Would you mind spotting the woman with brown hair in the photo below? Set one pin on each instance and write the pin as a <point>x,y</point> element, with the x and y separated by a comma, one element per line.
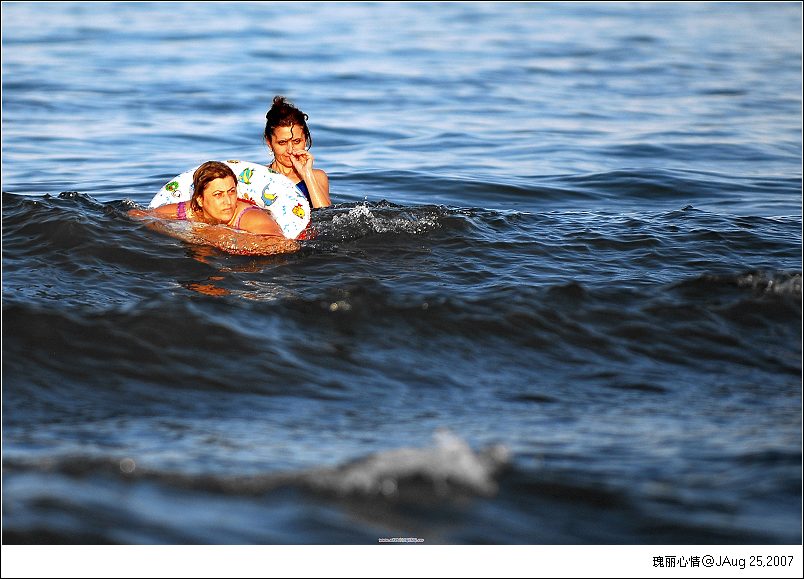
<point>215,202</point>
<point>287,135</point>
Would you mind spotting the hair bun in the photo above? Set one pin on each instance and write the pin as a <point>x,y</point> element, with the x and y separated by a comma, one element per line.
<point>284,113</point>
<point>279,102</point>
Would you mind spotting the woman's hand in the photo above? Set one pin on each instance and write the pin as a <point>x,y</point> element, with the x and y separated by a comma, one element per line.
<point>302,161</point>
<point>316,180</point>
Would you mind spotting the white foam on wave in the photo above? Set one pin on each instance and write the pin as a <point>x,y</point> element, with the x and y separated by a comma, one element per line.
<point>772,284</point>
<point>400,220</point>
<point>449,465</point>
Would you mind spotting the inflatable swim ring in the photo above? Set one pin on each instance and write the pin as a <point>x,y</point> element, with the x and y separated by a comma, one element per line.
<point>256,183</point>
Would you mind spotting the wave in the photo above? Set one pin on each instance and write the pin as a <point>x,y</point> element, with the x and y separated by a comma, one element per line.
<point>764,285</point>
<point>76,222</point>
<point>161,349</point>
<point>449,468</point>
<point>443,493</point>
<point>84,280</point>
<point>590,191</point>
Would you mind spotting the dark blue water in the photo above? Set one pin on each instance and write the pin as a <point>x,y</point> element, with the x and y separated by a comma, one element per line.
<point>557,300</point>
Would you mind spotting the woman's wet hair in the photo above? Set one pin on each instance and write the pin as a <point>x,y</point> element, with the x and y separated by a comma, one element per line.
<point>284,114</point>
<point>205,174</point>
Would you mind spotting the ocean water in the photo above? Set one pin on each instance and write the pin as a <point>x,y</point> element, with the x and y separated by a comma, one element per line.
<point>557,300</point>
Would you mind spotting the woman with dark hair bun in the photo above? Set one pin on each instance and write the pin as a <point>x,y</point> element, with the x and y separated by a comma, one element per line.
<point>287,135</point>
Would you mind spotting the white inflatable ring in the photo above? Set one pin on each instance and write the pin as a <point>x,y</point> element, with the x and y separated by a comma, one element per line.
<point>256,183</point>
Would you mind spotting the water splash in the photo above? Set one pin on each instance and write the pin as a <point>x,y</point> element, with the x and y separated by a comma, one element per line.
<point>448,466</point>
<point>380,218</point>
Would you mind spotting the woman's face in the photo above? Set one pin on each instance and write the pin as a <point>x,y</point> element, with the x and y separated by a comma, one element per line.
<point>219,199</point>
<point>285,140</point>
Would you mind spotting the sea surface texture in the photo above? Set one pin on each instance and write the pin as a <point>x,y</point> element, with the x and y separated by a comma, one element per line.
<point>557,299</point>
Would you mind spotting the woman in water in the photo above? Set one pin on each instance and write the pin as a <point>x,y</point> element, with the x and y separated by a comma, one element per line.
<point>215,202</point>
<point>287,135</point>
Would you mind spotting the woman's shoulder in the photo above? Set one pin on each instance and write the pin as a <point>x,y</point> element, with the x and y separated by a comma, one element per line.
<point>321,176</point>
<point>258,221</point>
<point>244,207</point>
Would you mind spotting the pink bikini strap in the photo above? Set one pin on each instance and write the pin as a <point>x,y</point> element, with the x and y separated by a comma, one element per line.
<point>246,210</point>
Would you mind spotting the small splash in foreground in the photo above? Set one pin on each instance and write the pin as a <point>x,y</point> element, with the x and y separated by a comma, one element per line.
<point>450,466</point>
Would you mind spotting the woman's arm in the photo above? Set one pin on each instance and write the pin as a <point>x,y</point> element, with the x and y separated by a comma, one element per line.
<point>319,191</point>
<point>242,242</point>
<point>162,212</point>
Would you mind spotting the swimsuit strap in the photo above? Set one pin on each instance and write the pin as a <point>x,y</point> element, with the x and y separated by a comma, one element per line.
<point>246,210</point>
<point>181,211</point>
